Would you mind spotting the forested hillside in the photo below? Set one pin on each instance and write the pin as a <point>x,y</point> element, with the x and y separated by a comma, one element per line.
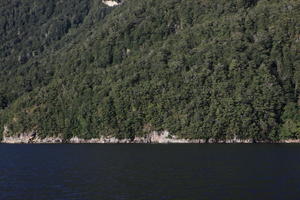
<point>200,69</point>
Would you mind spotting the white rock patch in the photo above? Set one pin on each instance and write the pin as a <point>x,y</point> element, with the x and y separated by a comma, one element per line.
<point>110,3</point>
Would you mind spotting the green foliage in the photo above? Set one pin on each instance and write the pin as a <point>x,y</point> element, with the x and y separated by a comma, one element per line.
<point>291,122</point>
<point>200,69</point>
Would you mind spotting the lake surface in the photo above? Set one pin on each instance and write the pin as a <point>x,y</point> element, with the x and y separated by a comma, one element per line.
<point>154,172</point>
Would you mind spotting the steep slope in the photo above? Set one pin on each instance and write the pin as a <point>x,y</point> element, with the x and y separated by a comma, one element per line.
<point>199,69</point>
<point>31,32</point>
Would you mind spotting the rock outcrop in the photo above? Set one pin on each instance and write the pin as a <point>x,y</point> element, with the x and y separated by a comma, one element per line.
<point>111,3</point>
<point>27,138</point>
<point>154,137</point>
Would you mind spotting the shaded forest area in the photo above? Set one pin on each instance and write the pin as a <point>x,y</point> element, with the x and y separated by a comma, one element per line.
<point>199,69</point>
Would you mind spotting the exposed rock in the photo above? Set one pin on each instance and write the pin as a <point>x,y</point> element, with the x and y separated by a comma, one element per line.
<point>165,137</point>
<point>111,3</point>
<point>77,140</point>
<point>101,140</point>
<point>290,141</point>
<point>27,138</point>
<point>236,140</point>
<point>154,137</point>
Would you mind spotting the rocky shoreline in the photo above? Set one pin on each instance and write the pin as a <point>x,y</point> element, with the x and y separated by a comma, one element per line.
<point>155,137</point>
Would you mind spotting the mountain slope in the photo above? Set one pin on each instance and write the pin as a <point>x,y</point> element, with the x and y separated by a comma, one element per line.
<point>199,69</point>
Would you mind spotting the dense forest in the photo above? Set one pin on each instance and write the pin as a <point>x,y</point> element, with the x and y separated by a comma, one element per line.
<point>200,69</point>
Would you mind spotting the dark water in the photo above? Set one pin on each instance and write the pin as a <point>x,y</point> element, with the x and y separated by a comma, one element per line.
<point>154,172</point>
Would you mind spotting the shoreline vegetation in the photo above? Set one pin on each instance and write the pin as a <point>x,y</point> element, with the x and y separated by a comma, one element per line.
<point>163,137</point>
